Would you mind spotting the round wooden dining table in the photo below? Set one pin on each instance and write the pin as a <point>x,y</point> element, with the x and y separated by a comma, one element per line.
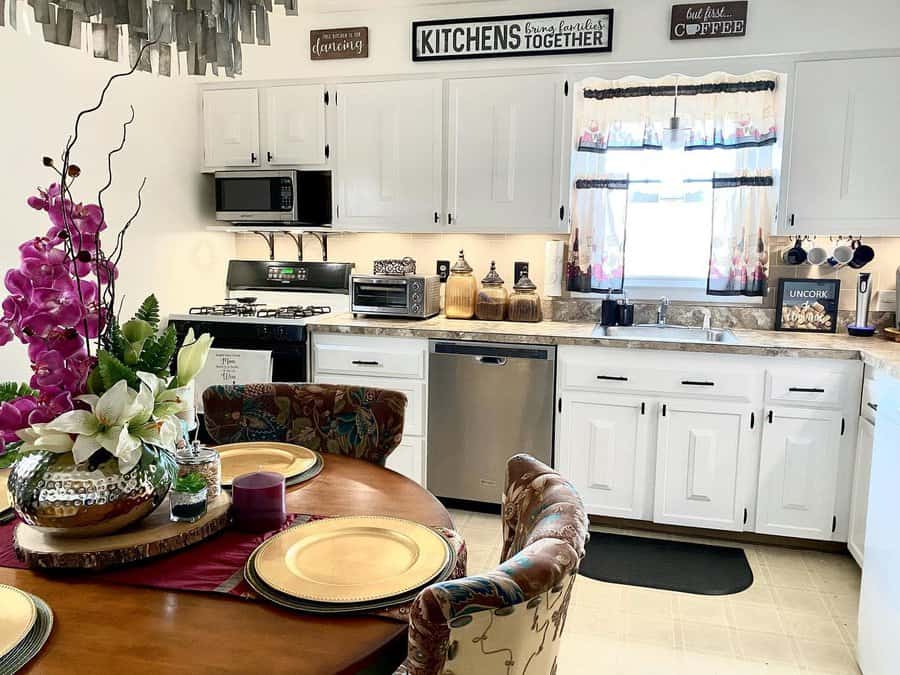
<point>105,628</point>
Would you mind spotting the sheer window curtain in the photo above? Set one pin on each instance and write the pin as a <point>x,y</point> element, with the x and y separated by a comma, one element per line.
<point>722,111</point>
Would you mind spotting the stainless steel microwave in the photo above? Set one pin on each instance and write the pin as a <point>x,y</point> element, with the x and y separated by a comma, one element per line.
<point>411,296</point>
<point>297,197</point>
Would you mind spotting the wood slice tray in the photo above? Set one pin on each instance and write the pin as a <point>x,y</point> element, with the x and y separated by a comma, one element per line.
<point>155,535</point>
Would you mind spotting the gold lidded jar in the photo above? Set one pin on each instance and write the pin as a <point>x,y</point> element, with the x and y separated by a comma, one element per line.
<point>525,303</point>
<point>204,461</point>
<point>490,304</point>
<point>459,297</point>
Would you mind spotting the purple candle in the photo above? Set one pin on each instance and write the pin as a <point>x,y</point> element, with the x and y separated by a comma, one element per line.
<point>257,501</point>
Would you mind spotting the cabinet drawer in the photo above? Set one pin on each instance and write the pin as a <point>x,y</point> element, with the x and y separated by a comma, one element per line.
<point>370,357</point>
<point>682,381</point>
<point>414,421</point>
<point>806,388</point>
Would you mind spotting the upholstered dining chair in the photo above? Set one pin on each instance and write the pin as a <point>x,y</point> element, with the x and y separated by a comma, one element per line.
<point>361,422</point>
<point>508,621</point>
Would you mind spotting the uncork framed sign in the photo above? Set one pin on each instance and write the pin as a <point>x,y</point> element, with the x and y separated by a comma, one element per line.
<point>807,305</point>
<point>513,35</point>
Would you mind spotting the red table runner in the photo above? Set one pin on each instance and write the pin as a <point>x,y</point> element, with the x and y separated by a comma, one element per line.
<point>212,566</point>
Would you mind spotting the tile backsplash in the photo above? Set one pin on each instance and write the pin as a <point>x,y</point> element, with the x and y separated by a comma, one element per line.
<point>480,249</point>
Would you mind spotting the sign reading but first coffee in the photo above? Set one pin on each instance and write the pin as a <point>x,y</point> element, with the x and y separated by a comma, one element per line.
<point>513,35</point>
<point>700,20</point>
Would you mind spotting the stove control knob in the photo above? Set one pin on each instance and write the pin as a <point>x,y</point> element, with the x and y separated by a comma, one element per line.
<point>263,332</point>
<point>416,309</point>
<point>417,297</point>
<point>280,333</point>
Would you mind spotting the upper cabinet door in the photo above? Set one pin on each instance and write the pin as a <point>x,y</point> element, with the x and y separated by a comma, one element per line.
<point>504,154</point>
<point>388,155</point>
<point>798,472</point>
<point>698,469</point>
<point>294,125</point>
<point>843,175</point>
<point>230,128</point>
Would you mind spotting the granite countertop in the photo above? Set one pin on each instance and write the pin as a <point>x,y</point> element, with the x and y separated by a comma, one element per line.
<point>875,351</point>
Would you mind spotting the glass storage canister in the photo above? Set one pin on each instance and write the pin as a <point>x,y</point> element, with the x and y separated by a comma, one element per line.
<point>204,461</point>
<point>490,304</point>
<point>459,297</point>
<point>525,303</point>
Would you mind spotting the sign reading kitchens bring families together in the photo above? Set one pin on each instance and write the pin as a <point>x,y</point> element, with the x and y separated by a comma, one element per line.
<point>513,35</point>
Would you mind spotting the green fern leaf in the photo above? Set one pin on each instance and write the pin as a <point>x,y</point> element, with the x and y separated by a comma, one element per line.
<point>112,370</point>
<point>149,311</point>
<point>158,352</point>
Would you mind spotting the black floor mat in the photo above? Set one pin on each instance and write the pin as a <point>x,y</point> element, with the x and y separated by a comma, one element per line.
<point>669,565</point>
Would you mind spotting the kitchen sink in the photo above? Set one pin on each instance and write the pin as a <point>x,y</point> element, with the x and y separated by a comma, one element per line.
<point>665,332</point>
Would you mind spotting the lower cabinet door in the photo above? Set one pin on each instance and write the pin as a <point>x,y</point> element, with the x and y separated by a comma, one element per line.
<point>604,450</point>
<point>798,473</point>
<point>409,459</point>
<point>698,464</point>
<point>859,505</point>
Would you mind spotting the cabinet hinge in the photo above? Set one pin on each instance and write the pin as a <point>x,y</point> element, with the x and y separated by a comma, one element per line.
<point>752,423</point>
<point>843,425</point>
<point>771,415</point>
<point>833,523</point>
<point>745,516</point>
<point>664,408</point>
<point>326,97</point>
<point>566,88</point>
<point>643,408</point>
<point>559,405</point>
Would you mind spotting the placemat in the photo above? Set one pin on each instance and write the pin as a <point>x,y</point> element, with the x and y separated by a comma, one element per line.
<point>213,566</point>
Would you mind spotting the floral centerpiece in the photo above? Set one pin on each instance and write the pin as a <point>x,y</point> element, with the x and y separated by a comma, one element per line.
<point>88,437</point>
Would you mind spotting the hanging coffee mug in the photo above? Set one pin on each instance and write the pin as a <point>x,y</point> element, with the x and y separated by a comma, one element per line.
<point>840,254</point>
<point>863,254</point>
<point>817,255</point>
<point>795,255</point>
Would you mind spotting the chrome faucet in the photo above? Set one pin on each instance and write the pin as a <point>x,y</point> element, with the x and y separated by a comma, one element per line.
<point>661,310</point>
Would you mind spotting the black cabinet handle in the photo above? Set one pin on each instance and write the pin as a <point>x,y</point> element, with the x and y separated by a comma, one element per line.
<point>612,378</point>
<point>562,212</point>
<point>269,157</point>
<point>449,218</point>
<point>436,217</point>
<point>327,151</point>
<point>365,363</point>
<point>807,390</point>
<point>873,406</point>
<point>771,415</point>
<point>253,158</point>
<point>695,383</point>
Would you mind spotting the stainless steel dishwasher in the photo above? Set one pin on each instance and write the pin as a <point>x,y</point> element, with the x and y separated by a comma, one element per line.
<point>486,402</point>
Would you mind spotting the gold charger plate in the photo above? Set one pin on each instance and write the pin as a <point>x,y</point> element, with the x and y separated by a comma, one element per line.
<point>351,558</point>
<point>17,616</point>
<point>284,458</point>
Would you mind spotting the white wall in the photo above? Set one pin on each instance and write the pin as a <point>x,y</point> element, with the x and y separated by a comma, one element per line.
<point>641,33</point>
<point>167,250</point>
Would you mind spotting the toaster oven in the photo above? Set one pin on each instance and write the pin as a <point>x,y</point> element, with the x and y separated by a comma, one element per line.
<point>410,296</point>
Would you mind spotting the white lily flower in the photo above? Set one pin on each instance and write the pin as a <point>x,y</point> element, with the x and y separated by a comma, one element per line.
<point>192,357</point>
<point>38,437</point>
<point>166,402</point>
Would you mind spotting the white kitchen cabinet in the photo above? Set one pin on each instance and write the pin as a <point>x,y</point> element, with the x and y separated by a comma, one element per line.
<point>698,464</point>
<point>388,156</point>
<point>604,450</point>
<point>859,504</point>
<point>230,128</point>
<point>841,177</point>
<point>504,154</point>
<point>408,459</point>
<point>798,472</point>
<point>293,125</point>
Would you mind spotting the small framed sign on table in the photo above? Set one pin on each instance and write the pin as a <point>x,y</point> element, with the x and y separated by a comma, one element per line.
<point>513,35</point>
<point>807,305</point>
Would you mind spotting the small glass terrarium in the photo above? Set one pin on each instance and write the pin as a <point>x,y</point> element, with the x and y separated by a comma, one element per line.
<point>187,498</point>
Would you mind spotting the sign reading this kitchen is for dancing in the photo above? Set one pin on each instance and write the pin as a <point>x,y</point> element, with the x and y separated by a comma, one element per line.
<point>513,35</point>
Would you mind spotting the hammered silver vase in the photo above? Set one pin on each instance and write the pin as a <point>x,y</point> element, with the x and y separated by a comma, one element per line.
<point>52,493</point>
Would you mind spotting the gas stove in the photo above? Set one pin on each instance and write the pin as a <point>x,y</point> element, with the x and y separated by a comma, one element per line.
<point>253,310</point>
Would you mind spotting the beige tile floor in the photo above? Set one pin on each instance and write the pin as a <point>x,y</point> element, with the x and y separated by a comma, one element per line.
<point>798,617</point>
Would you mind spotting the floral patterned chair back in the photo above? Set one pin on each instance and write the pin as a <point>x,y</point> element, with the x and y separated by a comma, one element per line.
<point>508,621</point>
<point>359,422</point>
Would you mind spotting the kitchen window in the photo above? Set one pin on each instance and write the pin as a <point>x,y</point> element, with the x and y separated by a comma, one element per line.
<point>674,191</point>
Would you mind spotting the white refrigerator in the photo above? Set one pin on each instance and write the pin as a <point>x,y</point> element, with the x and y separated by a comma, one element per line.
<point>879,603</point>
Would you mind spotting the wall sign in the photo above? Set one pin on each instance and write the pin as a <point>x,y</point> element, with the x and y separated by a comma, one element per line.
<point>807,305</point>
<point>513,35</point>
<point>700,20</point>
<point>339,43</point>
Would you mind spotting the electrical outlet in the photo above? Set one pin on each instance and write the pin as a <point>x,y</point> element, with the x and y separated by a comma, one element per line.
<point>520,269</point>
<point>443,270</point>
